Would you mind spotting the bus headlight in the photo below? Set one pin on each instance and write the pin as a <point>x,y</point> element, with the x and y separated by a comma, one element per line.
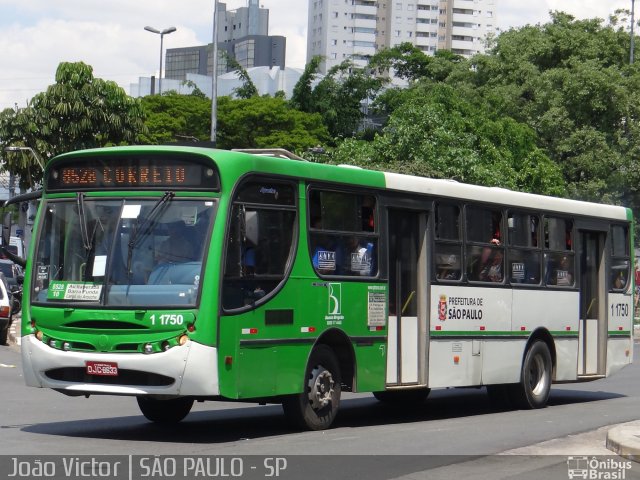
<point>148,348</point>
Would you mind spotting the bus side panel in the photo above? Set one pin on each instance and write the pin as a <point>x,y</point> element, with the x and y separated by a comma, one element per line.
<point>620,328</point>
<point>567,359</point>
<point>371,367</point>
<point>557,312</point>
<point>461,321</point>
<point>619,354</point>
<point>453,363</point>
<point>495,366</point>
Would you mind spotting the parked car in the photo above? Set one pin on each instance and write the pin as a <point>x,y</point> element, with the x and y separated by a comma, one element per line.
<point>5,310</point>
<point>11,272</point>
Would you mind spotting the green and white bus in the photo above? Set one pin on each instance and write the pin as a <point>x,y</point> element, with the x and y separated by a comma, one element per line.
<point>180,274</point>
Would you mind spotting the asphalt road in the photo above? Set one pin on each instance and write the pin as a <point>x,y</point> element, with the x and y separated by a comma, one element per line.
<point>454,426</point>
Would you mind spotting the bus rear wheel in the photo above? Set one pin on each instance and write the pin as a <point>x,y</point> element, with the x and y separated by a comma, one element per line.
<point>165,411</point>
<point>317,406</point>
<point>535,378</point>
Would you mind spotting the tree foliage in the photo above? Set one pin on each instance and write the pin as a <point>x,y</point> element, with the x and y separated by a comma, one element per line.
<point>78,111</point>
<point>265,122</point>
<point>438,133</point>
<point>172,117</point>
<point>340,98</point>
<point>248,88</point>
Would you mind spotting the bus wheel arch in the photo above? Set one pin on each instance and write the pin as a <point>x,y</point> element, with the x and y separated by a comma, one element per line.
<point>316,406</point>
<point>341,345</point>
<point>536,374</point>
<point>542,334</point>
<point>330,370</point>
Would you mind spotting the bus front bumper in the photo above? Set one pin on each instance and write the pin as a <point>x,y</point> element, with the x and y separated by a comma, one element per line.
<point>190,369</point>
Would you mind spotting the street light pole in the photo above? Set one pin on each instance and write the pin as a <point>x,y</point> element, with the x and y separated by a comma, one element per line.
<point>162,33</point>
<point>214,76</point>
<point>27,149</point>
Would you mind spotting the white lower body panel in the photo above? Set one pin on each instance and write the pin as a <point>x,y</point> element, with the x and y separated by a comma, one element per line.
<point>193,366</point>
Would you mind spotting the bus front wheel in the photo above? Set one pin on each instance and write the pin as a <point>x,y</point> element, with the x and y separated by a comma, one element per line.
<point>165,411</point>
<point>317,406</point>
<point>535,378</point>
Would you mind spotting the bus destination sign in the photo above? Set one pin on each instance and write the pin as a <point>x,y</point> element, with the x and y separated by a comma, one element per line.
<point>143,172</point>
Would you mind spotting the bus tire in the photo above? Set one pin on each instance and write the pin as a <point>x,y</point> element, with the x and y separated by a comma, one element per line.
<point>317,406</point>
<point>414,396</point>
<point>165,411</point>
<point>535,378</point>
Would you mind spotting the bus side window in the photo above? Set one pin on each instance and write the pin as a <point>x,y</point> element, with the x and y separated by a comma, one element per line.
<point>342,233</point>
<point>524,248</point>
<point>485,249</point>
<point>620,264</point>
<point>448,245</point>
<point>559,256</point>
<point>259,242</point>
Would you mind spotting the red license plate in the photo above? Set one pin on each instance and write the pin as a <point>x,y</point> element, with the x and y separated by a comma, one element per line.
<point>105,369</point>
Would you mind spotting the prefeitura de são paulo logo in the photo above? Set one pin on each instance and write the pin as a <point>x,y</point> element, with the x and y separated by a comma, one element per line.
<point>442,308</point>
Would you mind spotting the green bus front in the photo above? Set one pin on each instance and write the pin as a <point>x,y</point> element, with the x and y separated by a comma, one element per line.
<point>174,274</point>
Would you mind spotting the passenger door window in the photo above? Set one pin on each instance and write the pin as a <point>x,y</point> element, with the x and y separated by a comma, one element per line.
<point>259,242</point>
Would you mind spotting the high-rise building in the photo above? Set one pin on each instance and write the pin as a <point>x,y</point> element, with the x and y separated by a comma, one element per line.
<point>243,34</point>
<point>242,22</point>
<point>354,30</point>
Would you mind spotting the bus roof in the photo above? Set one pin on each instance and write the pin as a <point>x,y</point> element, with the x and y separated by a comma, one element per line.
<point>241,162</point>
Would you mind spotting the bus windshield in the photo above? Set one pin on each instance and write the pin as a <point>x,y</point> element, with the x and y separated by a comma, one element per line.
<point>122,252</point>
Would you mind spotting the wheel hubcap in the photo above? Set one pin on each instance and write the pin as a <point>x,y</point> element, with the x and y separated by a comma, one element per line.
<point>321,386</point>
<point>538,376</point>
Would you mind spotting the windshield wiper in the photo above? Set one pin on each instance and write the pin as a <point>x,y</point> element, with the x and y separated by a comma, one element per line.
<point>84,228</point>
<point>145,226</point>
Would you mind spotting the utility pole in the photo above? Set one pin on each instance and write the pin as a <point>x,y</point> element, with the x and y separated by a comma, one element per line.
<point>214,75</point>
<point>633,21</point>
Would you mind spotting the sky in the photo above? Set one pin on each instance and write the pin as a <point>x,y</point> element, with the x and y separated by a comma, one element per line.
<point>109,35</point>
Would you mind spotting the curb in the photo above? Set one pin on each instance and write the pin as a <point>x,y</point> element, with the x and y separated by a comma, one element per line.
<point>624,440</point>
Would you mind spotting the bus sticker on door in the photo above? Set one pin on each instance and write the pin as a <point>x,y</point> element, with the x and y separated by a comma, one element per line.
<point>376,306</point>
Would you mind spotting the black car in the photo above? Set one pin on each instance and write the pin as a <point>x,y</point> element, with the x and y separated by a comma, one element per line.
<point>11,271</point>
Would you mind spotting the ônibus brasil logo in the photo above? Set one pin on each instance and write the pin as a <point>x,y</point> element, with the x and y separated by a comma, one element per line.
<point>597,468</point>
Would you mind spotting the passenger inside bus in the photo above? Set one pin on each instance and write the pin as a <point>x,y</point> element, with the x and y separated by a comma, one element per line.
<point>492,268</point>
<point>177,247</point>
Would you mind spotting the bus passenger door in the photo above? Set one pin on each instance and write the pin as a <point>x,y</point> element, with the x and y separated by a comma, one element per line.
<point>406,356</point>
<point>592,327</point>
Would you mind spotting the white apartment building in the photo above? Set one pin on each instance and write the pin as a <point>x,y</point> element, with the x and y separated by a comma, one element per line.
<point>356,29</point>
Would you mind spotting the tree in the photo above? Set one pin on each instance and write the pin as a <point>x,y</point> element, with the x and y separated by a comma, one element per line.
<point>437,132</point>
<point>340,98</point>
<point>410,63</point>
<point>78,111</point>
<point>302,96</point>
<point>248,88</point>
<point>570,81</point>
<point>265,122</point>
<point>172,117</point>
